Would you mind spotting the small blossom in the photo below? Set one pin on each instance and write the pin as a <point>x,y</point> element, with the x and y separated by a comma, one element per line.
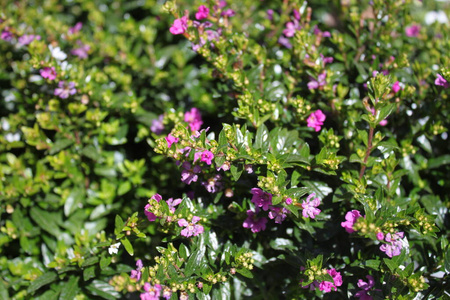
<point>157,125</point>
<point>76,28</point>
<point>179,26</point>
<point>213,184</point>
<point>326,286</point>
<point>253,223</point>
<point>394,244</point>
<point>291,28</point>
<point>396,87</point>
<point>225,166</point>
<point>207,156</point>
<point>27,39</point>
<point>350,220</point>
<point>65,89</point>
<point>82,51</point>
<point>278,213</point>
<point>248,168</point>
<point>288,201</point>
<point>114,248</point>
<point>412,31</point>
<point>171,140</point>
<point>284,42</point>
<point>270,14</point>
<point>194,119</point>
<point>310,209</point>
<point>321,81</point>
<point>365,286</point>
<point>151,292</point>
<point>441,81</point>
<point>57,53</point>
<point>150,215</point>
<point>136,274</point>
<point>172,203</point>
<point>316,119</point>
<point>261,198</point>
<point>167,293</point>
<point>7,35</point>
<point>380,236</point>
<point>228,13</point>
<point>49,73</point>
<point>202,13</point>
<point>189,174</point>
<point>317,31</point>
<point>192,229</point>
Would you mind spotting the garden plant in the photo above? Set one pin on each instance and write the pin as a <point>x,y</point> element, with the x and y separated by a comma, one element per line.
<point>224,149</point>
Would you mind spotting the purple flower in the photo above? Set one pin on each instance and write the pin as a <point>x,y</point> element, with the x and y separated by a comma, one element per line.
<point>350,220</point>
<point>65,89</point>
<point>261,198</point>
<point>157,125</point>
<point>213,184</point>
<point>7,35</point>
<point>207,157</point>
<point>394,244</point>
<point>228,13</point>
<point>326,286</point>
<point>137,273</point>
<point>326,60</point>
<point>315,120</point>
<point>296,14</point>
<point>189,174</point>
<point>192,229</point>
<point>284,42</point>
<point>270,14</point>
<point>288,201</point>
<point>49,73</point>
<point>171,140</point>
<point>365,286</point>
<point>253,223</point>
<point>193,118</point>
<point>179,26</point>
<point>76,28</point>
<point>172,203</point>
<point>412,31</point>
<point>202,13</point>
<point>321,81</point>
<point>82,51</point>
<point>151,292</point>
<point>337,278</point>
<point>291,28</point>
<point>310,209</point>
<point>380,236</point>
<point>396,87</point>
<point>441,81</point>
<point>278,213</point>
<point>317,31</point>
<point>150,215</point>
<point>28,38</point>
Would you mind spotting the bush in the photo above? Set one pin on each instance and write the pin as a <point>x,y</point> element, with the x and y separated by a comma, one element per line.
<point>227,150</point>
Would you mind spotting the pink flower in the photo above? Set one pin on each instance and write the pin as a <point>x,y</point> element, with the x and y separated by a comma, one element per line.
<point>49,73</point>
<point>291,28</point>
<point>207,157</point>
<point>270,14</point>
<point>202,13</point>
<point>317,31</point>
<point>157,125</point>
<point>310,209</point>
<point>7,35</point>
<point>150,215</point>
<point>27,39</point>
<point>82,51</point>
<point>65,89</point>
<point>337,278</point>
<point>412,31</point>
<point>288,201</point>
<point>192,229</point>
<point>261,198</point>
<point>228,13</point>
<point>380,236</point>
<point>193,118</point>
<point>179,26</point>
<point>253,223</point>
<point>151,292</point>
<point>172,203</point>
<point>396,87</point>
<point>321,81</point>
<point>189,174</point>
<point>365,286</point>
<point>441,81</point>
<point>326,286</point>
<point>137,273</point>
<point>350,218</point>
<point>278,213</point>
<point>316,119</point>
<point>76,28</point>
<point>394,244</point>
<point>171,140</point>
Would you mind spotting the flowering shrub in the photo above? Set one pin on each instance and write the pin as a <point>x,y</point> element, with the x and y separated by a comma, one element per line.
<point>224,149</point>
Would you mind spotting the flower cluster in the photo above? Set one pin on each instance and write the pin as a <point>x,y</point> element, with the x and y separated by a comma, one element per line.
<point>327,286</point>
<point>154,292</point>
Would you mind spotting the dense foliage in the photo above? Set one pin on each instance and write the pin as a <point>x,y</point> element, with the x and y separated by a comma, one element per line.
<point>216,150</point>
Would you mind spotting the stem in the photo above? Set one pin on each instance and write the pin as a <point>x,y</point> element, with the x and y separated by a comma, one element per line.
<point>369,149</point>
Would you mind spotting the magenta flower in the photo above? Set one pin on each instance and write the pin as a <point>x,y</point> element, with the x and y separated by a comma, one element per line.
<point>253,223</point>
<point>394,244</point>
<point>317,31</point>
<point>396,87</point>
<point>157,125</point>
<point>310,209</point>
<point>278,213</point>
<point>365,286</point>
<point>228,13</point>
<point>49,73</point>
<point>316,119</point>
<point>7,35</point>
<point>337,278</point>
<point>441,81</point>
<point>82,51</point>
<point>380,236</point>
<point>291,28</point>
<point>270,14</point>
<point>179,26</point>
<point>288,201</point>
<point>172,203</point>
<point>321,81</point>
<point>65,89</point>
<point>192,229</point>
<point>412,31</point>
<point>136,274</point>
<point>151,292</point>
<point>202,13</point>
<point>213,184</point>
<point>189,174</point>
<point>207,157</point>
<point>170,139</point>
<point>76,28</point>
<point>350,220</point>
<point>284,42</point>
<point>150,215</point>
<point>261,198</point>
<point>194,119</point>
<point>326,286</point>
<point>27,39</point>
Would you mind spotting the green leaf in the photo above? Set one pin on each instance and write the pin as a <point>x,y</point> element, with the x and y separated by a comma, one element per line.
<point>72,201</point>
<point>439,161</point>
<point>118,225</point>
<point>70,289</point>
<point>236,171</point>
<point>183,251</point>
<point>90,261</point>
<point>3,291</point>
<point>105,261</point>
<point>91,152</point>
<point>102,289</point>
<point>124,187</point>
<point>60,145</point>
<point>41,281</point>
<point>373,264</point>
<point>194,263</point>
<point>262,138</point>
<point>447,260</point>
<point>126,243</point>
<point>47,221</point>
<point>385,112</point>
<point>89,273</point>
<point>245,272</point>
<point>392,265</point>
